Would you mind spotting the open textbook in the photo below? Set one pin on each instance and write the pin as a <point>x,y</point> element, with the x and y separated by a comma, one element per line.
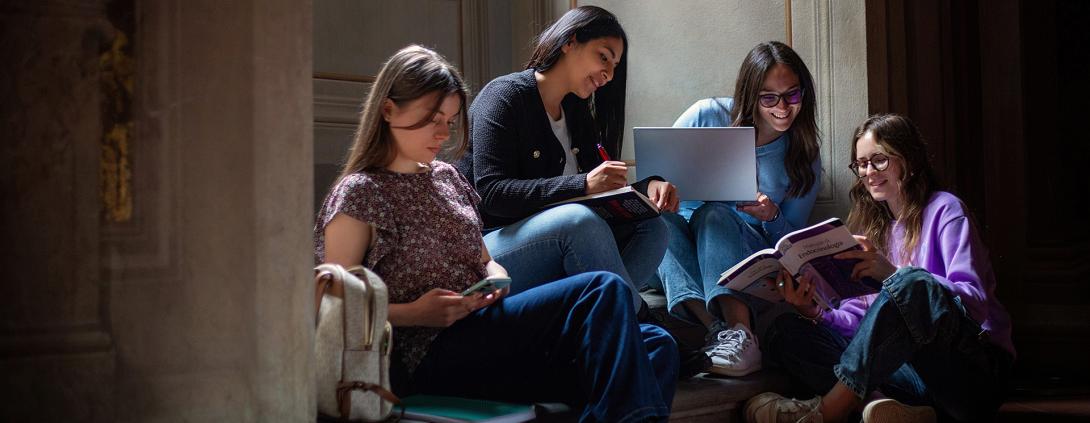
<point>623,204</point>
<point>806,251</point>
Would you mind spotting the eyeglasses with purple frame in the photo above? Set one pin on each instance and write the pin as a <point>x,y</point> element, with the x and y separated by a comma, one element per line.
<point>793,96</point>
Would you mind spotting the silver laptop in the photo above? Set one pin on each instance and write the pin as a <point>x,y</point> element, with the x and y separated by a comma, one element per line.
<point>708,164</point>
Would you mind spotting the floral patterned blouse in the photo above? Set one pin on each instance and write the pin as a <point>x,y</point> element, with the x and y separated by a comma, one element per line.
<point>428,236</point>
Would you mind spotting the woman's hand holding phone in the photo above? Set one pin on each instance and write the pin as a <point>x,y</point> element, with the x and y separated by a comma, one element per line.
<point>488,285</point>
<point>764,209</point>
<point>440,308</point>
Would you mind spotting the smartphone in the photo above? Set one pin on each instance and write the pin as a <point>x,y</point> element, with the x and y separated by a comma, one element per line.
<point>487,285</point>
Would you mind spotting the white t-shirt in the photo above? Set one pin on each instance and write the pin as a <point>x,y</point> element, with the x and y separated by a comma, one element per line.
<point>560,129</point>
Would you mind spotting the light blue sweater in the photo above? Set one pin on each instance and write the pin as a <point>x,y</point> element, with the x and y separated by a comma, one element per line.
<point>772,179</point>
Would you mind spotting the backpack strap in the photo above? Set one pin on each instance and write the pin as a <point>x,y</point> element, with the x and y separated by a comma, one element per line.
<point>359,310</point>
<point>323,282</point>
<point>344,389</point>
<point>371,302</point>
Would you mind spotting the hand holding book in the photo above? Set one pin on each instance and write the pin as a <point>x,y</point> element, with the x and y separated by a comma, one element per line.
<point>623,204</point>
<point>664,195</point>
<point>799,294</point>
<point>871,264</point>
<point>813,253</point>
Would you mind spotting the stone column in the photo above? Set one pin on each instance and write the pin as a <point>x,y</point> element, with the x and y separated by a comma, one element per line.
<point>210,303</point>
<point>198,307</point>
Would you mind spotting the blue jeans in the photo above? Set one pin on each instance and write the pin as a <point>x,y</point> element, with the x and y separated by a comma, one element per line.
<point>574,340</point>
<point>712,240</point>
<point>915,344</point>
<point>572,239</point>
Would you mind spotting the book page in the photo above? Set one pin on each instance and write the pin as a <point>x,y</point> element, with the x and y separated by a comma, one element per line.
<point>824,239</point>
<point>613,192</point>
<point>622,204</point>
<point>755,275</point>
<point>810,251</point>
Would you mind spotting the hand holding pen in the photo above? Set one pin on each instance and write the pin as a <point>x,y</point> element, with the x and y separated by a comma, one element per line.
<point>609,175</point>
<point>602,153</point>
<point>615,175</point>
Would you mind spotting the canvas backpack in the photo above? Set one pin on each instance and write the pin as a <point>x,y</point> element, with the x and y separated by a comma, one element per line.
<point>352,344</point>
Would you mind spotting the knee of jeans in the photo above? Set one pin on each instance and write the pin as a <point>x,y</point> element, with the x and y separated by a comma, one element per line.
<point>718,213</point>
<point>577,219</point>
<point>610,282</point>
<point>673,218</point>
<point>909,281</point>
<point>657,338</point>
<point>654,227</point>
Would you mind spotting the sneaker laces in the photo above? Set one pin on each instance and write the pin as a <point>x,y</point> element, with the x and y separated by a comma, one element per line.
<point>731,343</point>
<point>794,406</point>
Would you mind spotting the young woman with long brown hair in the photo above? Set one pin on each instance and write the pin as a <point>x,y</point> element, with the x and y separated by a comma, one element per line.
<point>935,337</point>
<point>535,137</point>
<point>413,221</point>
<point>774,93</point>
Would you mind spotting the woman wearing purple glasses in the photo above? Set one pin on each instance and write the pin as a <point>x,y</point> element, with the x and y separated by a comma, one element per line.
<point>774,93</point>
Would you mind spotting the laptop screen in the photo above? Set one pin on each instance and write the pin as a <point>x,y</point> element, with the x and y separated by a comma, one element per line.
<point>707,164</point>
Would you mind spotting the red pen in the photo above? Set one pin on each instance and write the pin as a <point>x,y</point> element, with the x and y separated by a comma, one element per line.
<point>602,153</point>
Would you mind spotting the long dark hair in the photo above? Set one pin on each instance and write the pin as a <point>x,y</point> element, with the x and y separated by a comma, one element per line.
<point>604,111</point>
<point>803,132</point>
<point>902,140</point>
<point>411,73</point>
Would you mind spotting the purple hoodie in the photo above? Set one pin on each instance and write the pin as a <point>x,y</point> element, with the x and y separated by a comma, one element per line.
<point>951,250</point>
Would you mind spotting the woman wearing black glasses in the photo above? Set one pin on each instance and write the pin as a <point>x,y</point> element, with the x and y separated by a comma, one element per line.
<point>774,93</point>
<point>935,336</point>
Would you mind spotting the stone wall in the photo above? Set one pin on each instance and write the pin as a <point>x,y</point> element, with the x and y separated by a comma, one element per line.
<point>195,308</point>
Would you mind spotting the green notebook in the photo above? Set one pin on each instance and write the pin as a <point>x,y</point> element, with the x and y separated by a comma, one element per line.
<point>441,409</point>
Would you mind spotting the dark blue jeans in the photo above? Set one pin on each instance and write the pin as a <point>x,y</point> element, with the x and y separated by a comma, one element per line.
<point>915,344</point>
<point>575,340</point>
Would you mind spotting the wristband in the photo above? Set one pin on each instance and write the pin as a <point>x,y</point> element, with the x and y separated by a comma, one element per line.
<point>777,216</point>
<point>817,318</point>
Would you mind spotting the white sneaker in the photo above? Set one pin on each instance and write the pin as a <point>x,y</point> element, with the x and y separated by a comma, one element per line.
<point>771,407</point>
<point>891,411</point>
<point>734,352</point>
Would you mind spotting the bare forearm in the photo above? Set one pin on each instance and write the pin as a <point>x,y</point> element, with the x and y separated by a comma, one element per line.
<point>491,268</point>
<point>403,315</point>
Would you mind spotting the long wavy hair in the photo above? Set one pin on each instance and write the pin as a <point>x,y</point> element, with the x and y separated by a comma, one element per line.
<point>874,219</point>
<point>412,73</point>
<point>603,112</point>
<point>804,132</point>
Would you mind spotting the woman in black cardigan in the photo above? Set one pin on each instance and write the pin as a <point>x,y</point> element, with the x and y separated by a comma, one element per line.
<point>535,137</point>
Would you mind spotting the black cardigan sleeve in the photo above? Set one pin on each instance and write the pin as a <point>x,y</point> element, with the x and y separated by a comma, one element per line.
<point>502,131</point>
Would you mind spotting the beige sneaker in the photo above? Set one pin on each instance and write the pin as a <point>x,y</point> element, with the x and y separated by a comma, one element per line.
<point>891,411</point>
<point>771,407</point>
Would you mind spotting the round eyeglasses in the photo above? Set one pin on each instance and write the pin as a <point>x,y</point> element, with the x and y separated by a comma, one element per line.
<point>771,100</point>
<point>878,162</point>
